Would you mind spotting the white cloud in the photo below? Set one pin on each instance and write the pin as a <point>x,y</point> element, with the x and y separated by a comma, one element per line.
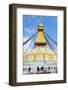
<point>25,38</point>
<point>31,30</point>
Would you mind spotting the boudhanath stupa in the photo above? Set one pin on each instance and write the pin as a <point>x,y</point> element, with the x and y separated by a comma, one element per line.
<point>40,60</point>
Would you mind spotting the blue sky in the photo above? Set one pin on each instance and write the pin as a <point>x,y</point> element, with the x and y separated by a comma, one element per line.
<point>30,24</point>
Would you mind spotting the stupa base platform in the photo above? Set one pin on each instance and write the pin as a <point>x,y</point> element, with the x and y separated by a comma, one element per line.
<point>40,67</point>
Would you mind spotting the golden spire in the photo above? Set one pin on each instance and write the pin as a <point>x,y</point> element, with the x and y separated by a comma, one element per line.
<point>40,40</point>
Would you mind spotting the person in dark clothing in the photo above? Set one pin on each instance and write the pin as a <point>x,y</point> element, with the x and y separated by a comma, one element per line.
<point>42,68</point>
<point>38,69</point>
<point>29,69</point>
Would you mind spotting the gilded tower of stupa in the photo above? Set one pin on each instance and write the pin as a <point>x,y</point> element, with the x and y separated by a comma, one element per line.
<point>40,55</point>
